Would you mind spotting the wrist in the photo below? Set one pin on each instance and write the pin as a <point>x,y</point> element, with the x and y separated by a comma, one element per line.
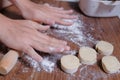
<point>3,26</point>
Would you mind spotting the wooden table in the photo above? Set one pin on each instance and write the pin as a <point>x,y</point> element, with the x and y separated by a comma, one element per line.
<point>107,29</point>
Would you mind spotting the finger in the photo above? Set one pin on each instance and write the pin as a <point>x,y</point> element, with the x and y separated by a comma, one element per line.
<point>66,16</point>
<point>39,36</point>
<point>33,24</point>
<point>52,42</point>
<point>31,52</point>
<point>45,19</point>
<point>57,42</point>
<point>63,11</point>
<point>57,8</point>
<point>66,11</point>
<point>38,26</point>
<point>62,22</point>
<point>46,48</point>
<point>49,21</point>
<point>44,27</point>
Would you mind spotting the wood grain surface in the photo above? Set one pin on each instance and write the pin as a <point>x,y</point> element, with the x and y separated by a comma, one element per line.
<point>107,29</point>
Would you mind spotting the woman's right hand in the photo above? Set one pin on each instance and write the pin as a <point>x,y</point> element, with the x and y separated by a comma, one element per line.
<point>25,38</point>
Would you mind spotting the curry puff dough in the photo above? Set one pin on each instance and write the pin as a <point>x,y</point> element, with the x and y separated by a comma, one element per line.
<point>87,55</point>
<point>70,63</point>
<point>110,64</point>
<point>104,48</point>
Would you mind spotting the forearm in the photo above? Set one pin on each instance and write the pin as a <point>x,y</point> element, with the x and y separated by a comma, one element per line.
<point>3,25</point>
<point>3,21</point>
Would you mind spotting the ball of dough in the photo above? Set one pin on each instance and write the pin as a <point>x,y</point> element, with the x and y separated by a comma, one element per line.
<point>70,63</point>
<point>87,55</point>
<point>110,64</point>
<point>104,48</point>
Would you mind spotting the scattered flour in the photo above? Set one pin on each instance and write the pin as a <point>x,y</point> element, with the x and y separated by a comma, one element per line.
<point>31,62</point>
<point>25,70</point>
<point>79,35</point>
<point>48,64</point>
<point>72,52</point>
<point>76,33</point>
<point>86,72</point>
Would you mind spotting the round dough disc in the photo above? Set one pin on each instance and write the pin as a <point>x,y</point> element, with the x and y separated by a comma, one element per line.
<point>87,55</point>
<point>104,48</point>
<point>70,63</point>
<point>110,64</point>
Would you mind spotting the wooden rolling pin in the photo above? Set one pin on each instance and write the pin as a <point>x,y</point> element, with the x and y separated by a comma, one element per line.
<point>8,62</point>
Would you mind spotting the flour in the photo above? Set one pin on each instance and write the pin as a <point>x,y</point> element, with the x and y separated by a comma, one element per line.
<point>47,65</point>
<point>25,70</point>
<point>72,52</point>
<point>78,34</point>
<point>34,64</point>
<point>87,73</point>
<point>75,33</point>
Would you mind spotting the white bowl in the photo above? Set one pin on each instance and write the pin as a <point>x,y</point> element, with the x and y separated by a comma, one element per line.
<point>100,8</point>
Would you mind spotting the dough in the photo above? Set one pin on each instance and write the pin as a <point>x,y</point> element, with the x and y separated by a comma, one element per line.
<point>87,55</point>
<point>8,62</point>
<point>110,64</point>
<point>104,48</point>
<point>70,63</point>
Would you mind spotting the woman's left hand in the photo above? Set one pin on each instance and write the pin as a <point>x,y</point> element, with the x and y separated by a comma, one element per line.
<point>44,13</point>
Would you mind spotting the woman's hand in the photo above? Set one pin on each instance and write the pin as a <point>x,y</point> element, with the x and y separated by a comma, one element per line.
<point>43,13</point>
<point>34,25</point>
<point>26,38</point>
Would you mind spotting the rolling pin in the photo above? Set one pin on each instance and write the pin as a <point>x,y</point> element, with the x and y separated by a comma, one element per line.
<point>8,61</point>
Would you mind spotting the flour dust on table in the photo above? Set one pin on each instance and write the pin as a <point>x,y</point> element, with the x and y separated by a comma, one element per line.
<point>76,33</point>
